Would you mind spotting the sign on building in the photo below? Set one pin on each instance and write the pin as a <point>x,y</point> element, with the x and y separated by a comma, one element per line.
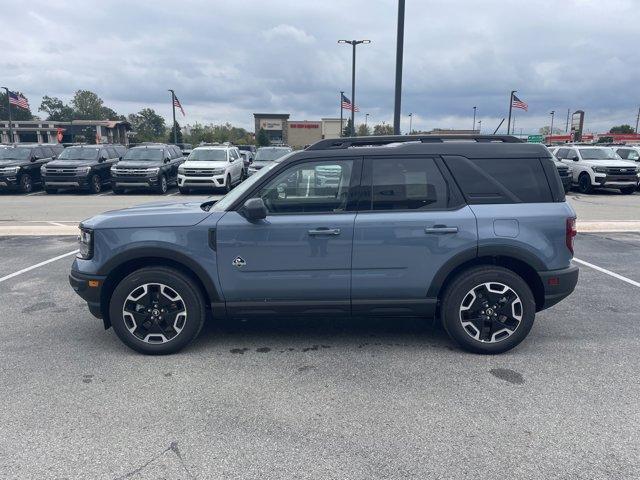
<point>268,124</point>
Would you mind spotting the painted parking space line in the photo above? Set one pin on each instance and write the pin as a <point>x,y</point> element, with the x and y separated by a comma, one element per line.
<point>58,224</point>
<point>104,194</point>
<point>37,265</point>
<point>607,272</point>
<point>172,194</point>
<point>35,193</point>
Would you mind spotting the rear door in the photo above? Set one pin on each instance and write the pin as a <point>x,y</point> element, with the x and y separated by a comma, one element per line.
<point>411,221</point>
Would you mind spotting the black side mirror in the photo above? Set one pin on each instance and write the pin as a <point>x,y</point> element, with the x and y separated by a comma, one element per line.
<point>167,160</point>
<point>575,158</point>
<point>254,209</point>
<point>34,158</point>
<point>102,159</point>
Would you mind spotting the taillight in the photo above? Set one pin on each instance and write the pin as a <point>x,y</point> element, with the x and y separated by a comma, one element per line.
<point>571,233</point>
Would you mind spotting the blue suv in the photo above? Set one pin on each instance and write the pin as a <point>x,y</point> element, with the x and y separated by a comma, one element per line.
<point>473,231</point>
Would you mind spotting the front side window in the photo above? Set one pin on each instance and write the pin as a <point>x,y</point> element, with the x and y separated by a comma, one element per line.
<point>598,154</point>
<point>312,187</point>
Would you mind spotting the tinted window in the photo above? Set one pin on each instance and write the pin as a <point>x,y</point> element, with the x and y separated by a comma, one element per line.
<point>503,180</point>
<point>407,184</point>
<point>562,153</point>
<point>111,152</point>
<point>313,187</point>
<point>144,154</point>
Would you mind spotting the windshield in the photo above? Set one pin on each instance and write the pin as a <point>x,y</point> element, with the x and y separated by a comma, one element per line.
<point>76,153</point>
<point>228,200</point>
<point>598,154</point>
<point>15,153</point>
<point>144,154</point>
<point>269,154</point>
<point>207,155</point>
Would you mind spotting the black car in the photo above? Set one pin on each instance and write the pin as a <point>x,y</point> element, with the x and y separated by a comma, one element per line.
<point>266,155</point>
<point>20,165</point>
<point>152,166</point>
<point>83,167</point>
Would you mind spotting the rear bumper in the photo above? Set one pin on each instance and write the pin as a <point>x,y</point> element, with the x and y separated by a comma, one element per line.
<point>90,293</point>
<point>558,284</point>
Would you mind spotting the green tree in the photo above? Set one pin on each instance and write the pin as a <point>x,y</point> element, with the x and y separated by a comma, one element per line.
<point>17,113</point>
<point>55,109</point>
<point>346,131</point>
<point>262,138</point>
<point>87,106</point>
<point>147,125</point>
<point>622,129</point>
<point>383,129</point>
<point>178,130</point>
<point>363,130</point>
<point>545,130</point>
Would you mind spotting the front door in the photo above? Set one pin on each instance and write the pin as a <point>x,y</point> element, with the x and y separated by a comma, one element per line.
<point>298,259</point>
<point>411,221</point>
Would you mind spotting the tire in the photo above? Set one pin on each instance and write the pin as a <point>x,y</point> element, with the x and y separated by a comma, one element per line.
<point>584,183</point>
<point>567,188</point>
<point>117,190</point>
<point>26,183</point>
<point>95,183</point>
<point>183,190</point>
<point>495,335</point>
<point>228,186</point>
<point>162,337</point>
<point>50,190</point>
<point>628,190</point>
<point>163,186</point>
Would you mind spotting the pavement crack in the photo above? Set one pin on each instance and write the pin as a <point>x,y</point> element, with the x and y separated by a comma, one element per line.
<point>173,447</point>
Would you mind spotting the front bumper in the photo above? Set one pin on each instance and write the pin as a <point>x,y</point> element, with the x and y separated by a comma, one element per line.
<point>89,288</point>
<point>566,181</point>
<point>616,181</point>
<point>66,181</point>
<point>122,181</point>
<point>558,284</point>
<point>216,181</point>
<point>8,181</point>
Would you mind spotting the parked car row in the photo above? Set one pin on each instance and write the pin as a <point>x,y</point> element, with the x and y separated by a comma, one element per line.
<point>151,166</point>
<point>591,167</point>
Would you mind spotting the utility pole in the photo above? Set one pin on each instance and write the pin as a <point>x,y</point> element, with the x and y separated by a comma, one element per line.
<point>399,55</point>
<point>173,107</point>
<point>552,113</point>
<point>9,110</point>
<point>566,126</point>
<point>480,127</point>
<point>353,44</point>
<point>341,125</point>
<point>474,119</point>
<point>637,120</point>
<point>410,122</point>
<point>366,118</point>
<point>510,107</point>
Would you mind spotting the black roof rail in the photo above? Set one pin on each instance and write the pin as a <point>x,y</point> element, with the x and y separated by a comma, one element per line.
<point>347,142</point>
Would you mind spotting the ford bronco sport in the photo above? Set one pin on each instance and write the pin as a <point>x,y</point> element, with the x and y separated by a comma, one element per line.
<point>473,231</point>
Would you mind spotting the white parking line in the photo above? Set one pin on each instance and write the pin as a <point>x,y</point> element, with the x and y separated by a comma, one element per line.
<point>58,224</point>
<point>172,194</point>
<point>608,272</point>
<point>32,267</point>
<point>35,193</point>
<point>104,194</point>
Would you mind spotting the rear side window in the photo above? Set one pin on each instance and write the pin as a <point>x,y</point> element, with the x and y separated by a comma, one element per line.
<point>406,183</point>
<point>502,180</point>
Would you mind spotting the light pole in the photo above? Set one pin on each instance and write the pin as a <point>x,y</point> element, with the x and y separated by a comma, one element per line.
<point>9,110</point>
<point>399,55</point>
<point>480,126</point>
<point>474,119</point>
<point>410,122</point>
<point>552,113</point>
<point>353,44</point>
<point>366,119</point>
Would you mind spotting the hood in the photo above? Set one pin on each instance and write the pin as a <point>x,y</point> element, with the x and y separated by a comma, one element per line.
<point>610,163</point>
<point>139,163</point>
<point>156,214</point>
<point>71,163</point>
<point>12,163</point>
<point>198,164</point>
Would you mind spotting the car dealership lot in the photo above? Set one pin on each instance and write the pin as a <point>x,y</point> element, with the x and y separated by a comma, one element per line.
<point>381,398</point>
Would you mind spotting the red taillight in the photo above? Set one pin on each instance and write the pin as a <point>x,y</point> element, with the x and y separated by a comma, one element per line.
<point>571,233</point>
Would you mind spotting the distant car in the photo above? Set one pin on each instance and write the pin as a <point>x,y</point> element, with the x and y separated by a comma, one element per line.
<point>218,166</point>
<point>83,167</point>
<point>629,152</point>
<point>20,165</point>
<point>563,170</point>
<point>185,148</point>
<point>248,153</point>
<point>151,166</point>
<point>266,155</point>
<point>593,167</point>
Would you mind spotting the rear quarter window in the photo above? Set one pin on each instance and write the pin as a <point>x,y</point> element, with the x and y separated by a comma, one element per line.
<point>501,180</point>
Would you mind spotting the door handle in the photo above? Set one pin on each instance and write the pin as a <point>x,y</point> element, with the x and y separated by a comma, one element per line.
<point>324,231</point>
<point>441,229</point>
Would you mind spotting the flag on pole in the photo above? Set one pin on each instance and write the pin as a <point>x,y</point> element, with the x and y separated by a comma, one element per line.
<point>18,100</point>
<point>517,103</point>
<point>346,104</point>
<point>176,103</point>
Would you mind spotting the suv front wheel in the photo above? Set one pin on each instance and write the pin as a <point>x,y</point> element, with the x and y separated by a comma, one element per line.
<point>157,310</point>
<point>488,309</point>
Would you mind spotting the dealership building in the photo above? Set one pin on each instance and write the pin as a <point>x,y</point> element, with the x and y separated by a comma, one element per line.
<point>297,133</point>
<point>100,131</point>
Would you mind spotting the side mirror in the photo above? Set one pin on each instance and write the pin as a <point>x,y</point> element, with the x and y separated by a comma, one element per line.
<point>34,158</point>
<point>167,160</point>
<point>575,158</point>
<point>102,159</point>
<point>254,209</point>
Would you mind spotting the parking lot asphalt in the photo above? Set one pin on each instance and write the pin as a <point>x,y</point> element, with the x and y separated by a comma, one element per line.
<point>361,399</point>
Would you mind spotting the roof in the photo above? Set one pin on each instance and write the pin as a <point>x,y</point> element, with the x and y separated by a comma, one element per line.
<point>272,115</point>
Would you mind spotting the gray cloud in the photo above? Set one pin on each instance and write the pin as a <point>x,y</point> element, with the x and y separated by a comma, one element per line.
<point>228,59</point>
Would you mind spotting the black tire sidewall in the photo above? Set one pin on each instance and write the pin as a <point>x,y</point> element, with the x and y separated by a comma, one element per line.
<point>23,186</point>
<point>183,285</point>
<point>163,185</point>
<point>584,187</point>
<point>93,186</point>
<point>459,288</point>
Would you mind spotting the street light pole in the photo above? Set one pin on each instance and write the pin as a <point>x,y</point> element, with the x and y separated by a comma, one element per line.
<point>9,110</point>
<point>552,113</point>
<point>410,122</point>
<point>474,119</point>
<point>399,55</point>
<point>341,125</point>
<point>353,44</point>
<point>480,126</point>
<point>366,119</point>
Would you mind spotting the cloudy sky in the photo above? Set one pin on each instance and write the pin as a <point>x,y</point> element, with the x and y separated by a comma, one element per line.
<point>228,59</point>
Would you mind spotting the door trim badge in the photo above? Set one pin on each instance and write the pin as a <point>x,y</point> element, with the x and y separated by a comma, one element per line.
<point>238,262</point>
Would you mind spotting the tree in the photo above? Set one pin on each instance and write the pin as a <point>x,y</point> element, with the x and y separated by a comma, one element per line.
<point>262,138</point>
<point>147,125</point>
<point>178,130</point>
<point>17,113</point>
<point>622,129</point>
<point>545,130</point>
<point>346,131</point>
<point>383,129</point>
<point>363,130</point>
<point>87,106</point>
<point>55,109</point>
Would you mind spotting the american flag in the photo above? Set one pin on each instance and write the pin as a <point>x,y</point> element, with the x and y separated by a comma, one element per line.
<point>346,104</point>
<point>18,100</point>
<point>517,103</point>
<point>176,103</point>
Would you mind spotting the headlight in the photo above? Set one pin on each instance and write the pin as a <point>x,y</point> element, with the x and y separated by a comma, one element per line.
<point>82,170</point>
<point>180,169</point>
<point>11,170</point>
<point>153,170</point>
<point>43,170</point>
<point>217,171</point>
<point>599,169</point>
<point>85,241</point>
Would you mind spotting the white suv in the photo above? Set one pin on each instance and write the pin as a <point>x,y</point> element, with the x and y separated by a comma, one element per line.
<point>211,167</point>
<point>599,167</point>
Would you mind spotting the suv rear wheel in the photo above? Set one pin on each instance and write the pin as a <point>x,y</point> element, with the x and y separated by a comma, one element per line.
<point>584,183</point>
<point>488,310</point>
<point>157,310</point>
